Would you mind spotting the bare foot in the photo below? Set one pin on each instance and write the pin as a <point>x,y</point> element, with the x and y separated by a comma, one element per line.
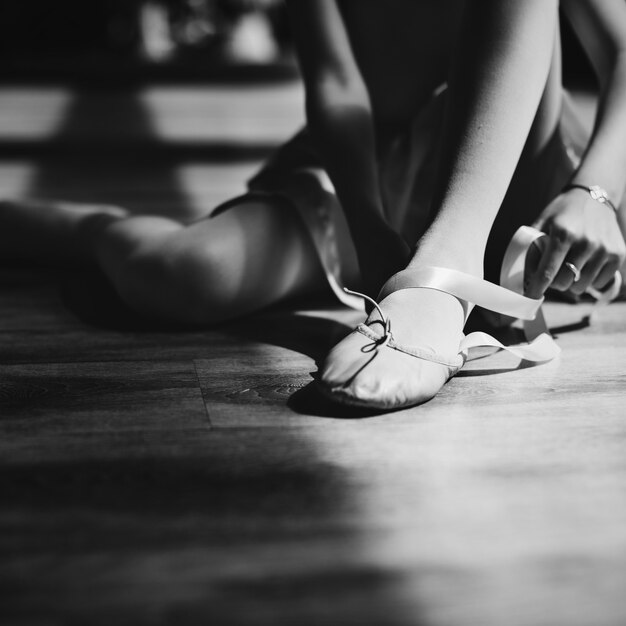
<point>51,231</point>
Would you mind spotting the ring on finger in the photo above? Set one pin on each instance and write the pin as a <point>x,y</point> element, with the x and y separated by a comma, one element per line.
<point>574,270</point>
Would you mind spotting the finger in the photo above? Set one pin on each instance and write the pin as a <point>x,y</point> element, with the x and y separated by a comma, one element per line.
<point>606,274</point>
<point>589,269</point>
<point>579,256</point>
<point>565,278</point>
<point>549,266</point>
<point>533,258</point>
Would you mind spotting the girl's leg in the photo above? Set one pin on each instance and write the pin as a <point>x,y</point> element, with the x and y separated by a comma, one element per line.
<point>500,72</point>
<point>246,258</point>
<point>543,169</point>
<point>249,257</point>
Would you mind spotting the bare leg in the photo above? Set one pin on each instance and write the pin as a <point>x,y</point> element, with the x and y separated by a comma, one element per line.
<point>490,111</point>
<point>244,259</point>
<point>249,257</point>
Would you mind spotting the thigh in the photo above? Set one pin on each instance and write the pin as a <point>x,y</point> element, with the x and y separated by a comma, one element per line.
<point>250,256</point>
<point>258,250</point>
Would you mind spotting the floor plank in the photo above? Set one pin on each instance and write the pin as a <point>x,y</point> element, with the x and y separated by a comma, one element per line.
<point>153,475</point>
<point>121,396</point>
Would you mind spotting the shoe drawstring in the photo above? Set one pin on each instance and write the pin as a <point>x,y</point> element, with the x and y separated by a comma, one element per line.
<point>384,320</point>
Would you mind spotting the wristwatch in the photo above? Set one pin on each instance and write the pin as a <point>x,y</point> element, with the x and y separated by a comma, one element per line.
<point>595,191</point>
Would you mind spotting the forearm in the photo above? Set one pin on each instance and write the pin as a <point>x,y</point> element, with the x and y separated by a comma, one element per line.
<point>339,116</point>
<point>582,235</point>
<point>344,134</point>
<point>604,161</point>
<point>340,121</point>
<point>338,108</point>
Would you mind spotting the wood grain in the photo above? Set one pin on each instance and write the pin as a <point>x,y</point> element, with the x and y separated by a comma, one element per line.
<point>153,475</point>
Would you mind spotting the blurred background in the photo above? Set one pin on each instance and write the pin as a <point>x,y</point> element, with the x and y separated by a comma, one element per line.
<point>160,106</point>
<point>122,37</point>
<point>184,38</point>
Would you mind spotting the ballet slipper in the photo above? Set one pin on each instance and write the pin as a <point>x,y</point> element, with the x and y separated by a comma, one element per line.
<point>411,375</point>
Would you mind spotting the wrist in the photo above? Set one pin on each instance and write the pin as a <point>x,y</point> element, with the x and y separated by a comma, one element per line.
<point>597,193</point>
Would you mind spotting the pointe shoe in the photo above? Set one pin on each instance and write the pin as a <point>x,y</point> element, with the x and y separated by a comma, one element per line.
<point>415,374</point>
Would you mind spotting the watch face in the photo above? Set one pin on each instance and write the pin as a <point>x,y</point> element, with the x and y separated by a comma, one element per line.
<point>597,193</point>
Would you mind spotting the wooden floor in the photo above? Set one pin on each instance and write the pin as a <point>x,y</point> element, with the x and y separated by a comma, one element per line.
<point>154,476</point>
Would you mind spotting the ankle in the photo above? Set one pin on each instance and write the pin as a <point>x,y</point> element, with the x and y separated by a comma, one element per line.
<point>459,260</point>
<point>451,248</point>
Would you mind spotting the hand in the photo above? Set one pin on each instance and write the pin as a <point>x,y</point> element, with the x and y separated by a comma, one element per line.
<point>582,232</point>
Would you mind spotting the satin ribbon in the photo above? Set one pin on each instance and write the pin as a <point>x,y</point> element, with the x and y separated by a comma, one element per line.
<point>507,299</point>
<point>487,295</point>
